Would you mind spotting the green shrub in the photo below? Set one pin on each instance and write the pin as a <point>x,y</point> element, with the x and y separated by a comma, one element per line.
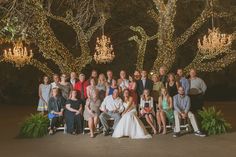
<point>213,122</point>
<point>36,125</point>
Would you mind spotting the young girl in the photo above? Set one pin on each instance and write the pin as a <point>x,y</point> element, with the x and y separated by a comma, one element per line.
<point>146,108</point>
<point>165,110</point>
<point>44,94</point>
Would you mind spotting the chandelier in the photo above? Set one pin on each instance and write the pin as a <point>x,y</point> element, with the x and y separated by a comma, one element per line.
<point>104,50</point>
<point>215,41</point>
<point>19,55</point>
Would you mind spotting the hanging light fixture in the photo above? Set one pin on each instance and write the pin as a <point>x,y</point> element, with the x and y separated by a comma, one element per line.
<point>19,56</point>
<point>103,50</point>
<point>215,41</point>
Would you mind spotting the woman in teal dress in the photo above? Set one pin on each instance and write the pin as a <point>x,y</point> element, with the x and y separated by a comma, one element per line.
<point>165,105</point>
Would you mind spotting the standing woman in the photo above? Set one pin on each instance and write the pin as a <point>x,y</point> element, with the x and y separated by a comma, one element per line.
<point>157,85</point>
<point>165,105</point>
<point>92,112</point>
<point>122,81</point>
<point>172,85</point>
<point>146,108</point>
<point>73,114</point>
<point>92,88</point>
<point>132,90</point>
<point>102,86</point>
<point>44,95</point>
<point>65,87</point>
<point>112,87</point>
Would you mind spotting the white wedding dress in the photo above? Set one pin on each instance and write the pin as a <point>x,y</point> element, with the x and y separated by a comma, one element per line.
<point>130,125</point>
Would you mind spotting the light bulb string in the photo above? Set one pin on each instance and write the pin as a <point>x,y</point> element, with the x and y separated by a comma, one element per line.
<point>212,17</point>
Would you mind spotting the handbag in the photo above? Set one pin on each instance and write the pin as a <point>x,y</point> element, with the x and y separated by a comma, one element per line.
<point>52,115</point>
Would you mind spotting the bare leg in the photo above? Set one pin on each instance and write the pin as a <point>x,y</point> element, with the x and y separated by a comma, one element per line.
<point>91,126</point>
<point>96,121</point>
<point>163,120</point>
<point>158,116</point>
<point>148,119</point>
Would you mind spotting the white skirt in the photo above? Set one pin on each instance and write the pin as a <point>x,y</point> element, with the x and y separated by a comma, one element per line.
<point>130,125</point>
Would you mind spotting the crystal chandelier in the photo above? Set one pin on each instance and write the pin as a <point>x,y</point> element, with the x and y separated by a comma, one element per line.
<point>19,55</point>
<point>215,41</point>
<point>104,50</point>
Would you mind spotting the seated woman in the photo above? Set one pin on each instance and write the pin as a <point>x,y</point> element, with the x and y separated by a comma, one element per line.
<point>55,109</point>
<point>165,106</point>
<point>146,108</point>
<point>73,114</point>
<point>130,125</point>
<point>93,103</point>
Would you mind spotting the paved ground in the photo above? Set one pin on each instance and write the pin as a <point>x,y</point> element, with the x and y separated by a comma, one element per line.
<point>61,145</point>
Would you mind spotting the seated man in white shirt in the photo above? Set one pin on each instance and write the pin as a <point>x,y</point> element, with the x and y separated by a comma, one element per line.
<point>111,107</point>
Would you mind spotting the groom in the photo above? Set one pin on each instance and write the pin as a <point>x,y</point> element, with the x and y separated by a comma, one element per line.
<point>111,107</point>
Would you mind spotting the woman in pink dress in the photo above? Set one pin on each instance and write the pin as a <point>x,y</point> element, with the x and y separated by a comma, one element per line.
<point>132,88</point>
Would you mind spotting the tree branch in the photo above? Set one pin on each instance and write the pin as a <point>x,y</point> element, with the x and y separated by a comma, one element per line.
<point>142,43</point>
<point>154,15</point>
<point>205,15</point>
<point>201,64</point>
<point>41,66</point>
<point>160,5</point>
<point>99,23</point>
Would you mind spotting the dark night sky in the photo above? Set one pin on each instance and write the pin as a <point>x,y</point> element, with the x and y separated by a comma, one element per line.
<point>20,86</point>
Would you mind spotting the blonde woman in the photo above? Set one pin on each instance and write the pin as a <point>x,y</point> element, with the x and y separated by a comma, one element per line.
<point>172,85</point>
<point>102,86</point>
<point>165,105</point>
<point>157,85</point>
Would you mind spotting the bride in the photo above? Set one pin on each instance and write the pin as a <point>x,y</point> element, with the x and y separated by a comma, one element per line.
<point>130,125</point>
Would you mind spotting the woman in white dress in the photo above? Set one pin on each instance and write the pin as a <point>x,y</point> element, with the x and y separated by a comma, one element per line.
<point>130,125</point>
<point>44,94</point>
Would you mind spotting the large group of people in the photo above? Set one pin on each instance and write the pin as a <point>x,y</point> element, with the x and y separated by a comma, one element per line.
<point>129,102</point>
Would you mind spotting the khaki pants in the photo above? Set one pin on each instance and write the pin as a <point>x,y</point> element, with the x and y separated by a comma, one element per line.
<point>192,120</point>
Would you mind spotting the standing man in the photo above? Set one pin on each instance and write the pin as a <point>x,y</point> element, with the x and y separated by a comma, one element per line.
<point>109,77</point>
<point>56,80</point>
<point>73,79</point>
<point>163,76</point>
<point>144,83</point>
<point>184,82</point>
<point>197,91</point>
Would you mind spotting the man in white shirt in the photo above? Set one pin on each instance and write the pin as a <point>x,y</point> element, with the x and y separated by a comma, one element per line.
<point>73,78</point>
<point>196,91</point>
<point>55,82</point>
<point>111,107</point>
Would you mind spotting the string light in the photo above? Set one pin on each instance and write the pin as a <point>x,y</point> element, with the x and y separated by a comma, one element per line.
<point>167,44</point>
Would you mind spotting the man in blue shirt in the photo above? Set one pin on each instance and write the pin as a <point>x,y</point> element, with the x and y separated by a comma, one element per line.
<point>181,111</point>
<point>184,82</point>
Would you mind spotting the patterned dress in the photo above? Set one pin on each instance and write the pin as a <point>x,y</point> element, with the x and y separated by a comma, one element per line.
<point>45,89</point>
